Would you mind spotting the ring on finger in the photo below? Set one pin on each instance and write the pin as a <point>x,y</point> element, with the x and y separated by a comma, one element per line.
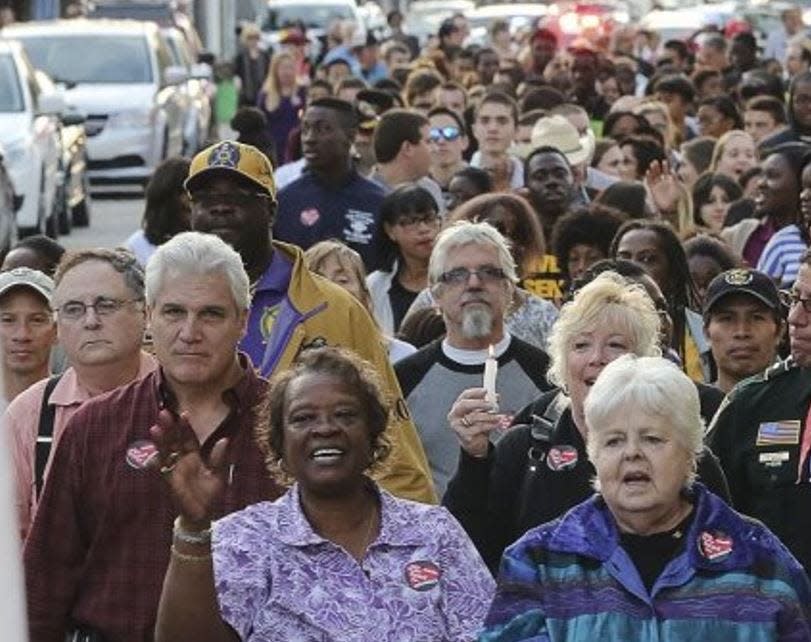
<point>171,462</point>
<point>466,422</point>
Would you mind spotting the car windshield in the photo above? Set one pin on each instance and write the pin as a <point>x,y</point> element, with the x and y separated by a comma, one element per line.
<point>313,16</point>
<point>11,98</point>
<point>71,59</point>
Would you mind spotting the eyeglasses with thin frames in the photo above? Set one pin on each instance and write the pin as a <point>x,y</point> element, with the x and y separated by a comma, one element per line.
<point>791,298</point>
<point>103,307</point>
<point>461,275</point>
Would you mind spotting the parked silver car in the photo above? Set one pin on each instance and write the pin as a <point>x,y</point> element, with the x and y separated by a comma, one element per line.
<point>120,74</point>
<point>10,202</point>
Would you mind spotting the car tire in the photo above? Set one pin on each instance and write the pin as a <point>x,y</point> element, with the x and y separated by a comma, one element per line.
<point>81,212</point>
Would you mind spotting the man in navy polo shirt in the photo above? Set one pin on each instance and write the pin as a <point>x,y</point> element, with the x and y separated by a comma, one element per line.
<point>331,200</point>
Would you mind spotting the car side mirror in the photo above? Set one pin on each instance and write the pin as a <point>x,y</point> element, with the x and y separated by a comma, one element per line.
<point>175,75</point>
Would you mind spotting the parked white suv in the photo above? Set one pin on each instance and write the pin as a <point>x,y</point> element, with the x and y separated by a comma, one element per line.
<point>121,75</point>
<point>30,138</point>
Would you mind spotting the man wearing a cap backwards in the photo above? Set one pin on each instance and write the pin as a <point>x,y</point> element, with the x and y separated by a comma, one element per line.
<point>762,435</point>
<point>234,197</point>
<point>743,322</point>
<point>27,329</point>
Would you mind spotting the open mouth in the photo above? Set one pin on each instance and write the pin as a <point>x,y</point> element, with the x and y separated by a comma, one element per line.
<point>635,478</point>
<point>327,455</point>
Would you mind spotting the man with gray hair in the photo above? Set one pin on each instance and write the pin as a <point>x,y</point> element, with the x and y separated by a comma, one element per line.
<point>98,299</point>
<point>100,543</point>
<point>472,279</point>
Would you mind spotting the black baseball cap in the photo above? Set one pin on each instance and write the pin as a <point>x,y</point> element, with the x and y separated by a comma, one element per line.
<point>742,281</point>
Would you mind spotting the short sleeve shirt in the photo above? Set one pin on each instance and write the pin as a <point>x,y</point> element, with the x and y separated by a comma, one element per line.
<point>421,579</point>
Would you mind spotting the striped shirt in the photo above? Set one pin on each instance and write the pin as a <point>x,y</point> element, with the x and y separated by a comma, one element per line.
<point>781,256</point>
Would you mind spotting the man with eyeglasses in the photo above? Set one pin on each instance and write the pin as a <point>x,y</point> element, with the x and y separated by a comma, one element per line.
<point>762,434</point>
<point>101,541</point>
<point>331,200</point>
<point>99,303</point>
<point>233,196</point>
<point>448,145</point>
<point>472,278</point>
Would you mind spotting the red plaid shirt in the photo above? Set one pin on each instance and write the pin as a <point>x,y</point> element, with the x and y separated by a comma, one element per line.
<point>99,546</point>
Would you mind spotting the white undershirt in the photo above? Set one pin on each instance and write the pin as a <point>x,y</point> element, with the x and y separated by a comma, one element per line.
<point>474,357</point>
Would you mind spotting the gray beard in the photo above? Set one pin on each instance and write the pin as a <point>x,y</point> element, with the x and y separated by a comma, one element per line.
<point>477,323</point>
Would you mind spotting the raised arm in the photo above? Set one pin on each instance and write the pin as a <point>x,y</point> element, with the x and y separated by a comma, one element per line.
<point>188,608</point>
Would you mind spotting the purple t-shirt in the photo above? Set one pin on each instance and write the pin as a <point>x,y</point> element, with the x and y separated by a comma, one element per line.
<point>270,290</point>
<point>757,241</point>
<point>421,579</point>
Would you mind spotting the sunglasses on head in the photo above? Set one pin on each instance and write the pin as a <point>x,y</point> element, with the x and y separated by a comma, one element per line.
<point>449,133</point>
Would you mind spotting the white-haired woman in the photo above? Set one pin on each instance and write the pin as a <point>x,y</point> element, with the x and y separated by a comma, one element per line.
<point>653,556</point>
<point>540,469</point>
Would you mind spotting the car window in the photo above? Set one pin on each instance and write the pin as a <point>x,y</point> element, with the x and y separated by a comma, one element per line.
<point>11,96</point>
<point>65,59</point>
<point>314,16</point>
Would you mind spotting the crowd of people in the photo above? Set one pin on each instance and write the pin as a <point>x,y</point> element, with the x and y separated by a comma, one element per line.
<point>561,288</point>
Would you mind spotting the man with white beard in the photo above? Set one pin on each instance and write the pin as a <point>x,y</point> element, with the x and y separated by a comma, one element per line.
<point>472,279</point>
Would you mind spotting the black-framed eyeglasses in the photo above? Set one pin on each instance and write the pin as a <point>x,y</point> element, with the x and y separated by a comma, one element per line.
<point>791,298</point>
<point>413,220</point>
<point>103,307</point>
<point>449,133</point>
<point>236,198</point>
<point>460,275</point>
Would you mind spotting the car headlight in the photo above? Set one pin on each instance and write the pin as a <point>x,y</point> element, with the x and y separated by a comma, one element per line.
<point>131,118</point>
<point>15,152</point>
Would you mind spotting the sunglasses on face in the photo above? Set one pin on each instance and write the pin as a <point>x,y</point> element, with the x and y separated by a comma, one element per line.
<point>449,133</point>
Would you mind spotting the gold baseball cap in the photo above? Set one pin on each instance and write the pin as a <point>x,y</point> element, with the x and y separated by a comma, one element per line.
<point>231,156</point>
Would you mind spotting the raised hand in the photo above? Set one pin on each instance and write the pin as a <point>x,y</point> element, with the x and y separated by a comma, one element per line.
<point>663,185</point>
<point>472,419</point>
<point>196,485</point>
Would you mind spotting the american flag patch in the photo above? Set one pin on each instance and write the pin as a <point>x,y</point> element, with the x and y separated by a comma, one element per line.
<point>773,433</point>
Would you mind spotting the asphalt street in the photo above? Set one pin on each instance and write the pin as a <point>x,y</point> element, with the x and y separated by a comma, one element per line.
<point>112,220</point>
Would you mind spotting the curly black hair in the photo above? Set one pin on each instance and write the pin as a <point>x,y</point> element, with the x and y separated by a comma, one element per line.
<point>343,365</point>
<point>594,226</point>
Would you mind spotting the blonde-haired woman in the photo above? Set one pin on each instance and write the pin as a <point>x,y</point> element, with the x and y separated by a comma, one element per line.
<point>281,99</point>
<point>343,266</point>
<point>539,468</point>
<point>734,154</point>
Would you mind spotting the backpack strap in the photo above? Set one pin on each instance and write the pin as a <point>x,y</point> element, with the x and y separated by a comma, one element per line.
<point>45,431</point>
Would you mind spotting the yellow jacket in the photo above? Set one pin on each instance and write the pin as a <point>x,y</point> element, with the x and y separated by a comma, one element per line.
<point>317,312</point>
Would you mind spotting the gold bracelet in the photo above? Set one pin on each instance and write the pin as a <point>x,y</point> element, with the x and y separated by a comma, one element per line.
<point>182,557</point>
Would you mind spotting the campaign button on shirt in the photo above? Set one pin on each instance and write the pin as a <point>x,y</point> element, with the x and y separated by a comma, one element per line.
<point>140,453</point>
<point>561,458</point>
<point>714,545</point>
<point>422,575</point>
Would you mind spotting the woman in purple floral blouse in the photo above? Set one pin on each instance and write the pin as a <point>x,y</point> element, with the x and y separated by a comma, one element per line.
<point>335,558</point>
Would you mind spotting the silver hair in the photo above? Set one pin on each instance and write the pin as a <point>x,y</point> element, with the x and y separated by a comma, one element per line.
<point>653,386</point>
<point>195,253</point>
<point>466,233</point>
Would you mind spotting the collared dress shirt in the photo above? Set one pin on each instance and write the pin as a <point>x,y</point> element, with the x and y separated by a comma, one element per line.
<point>420,580</point>
<point>100,543</point>
<point>21,423</point>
